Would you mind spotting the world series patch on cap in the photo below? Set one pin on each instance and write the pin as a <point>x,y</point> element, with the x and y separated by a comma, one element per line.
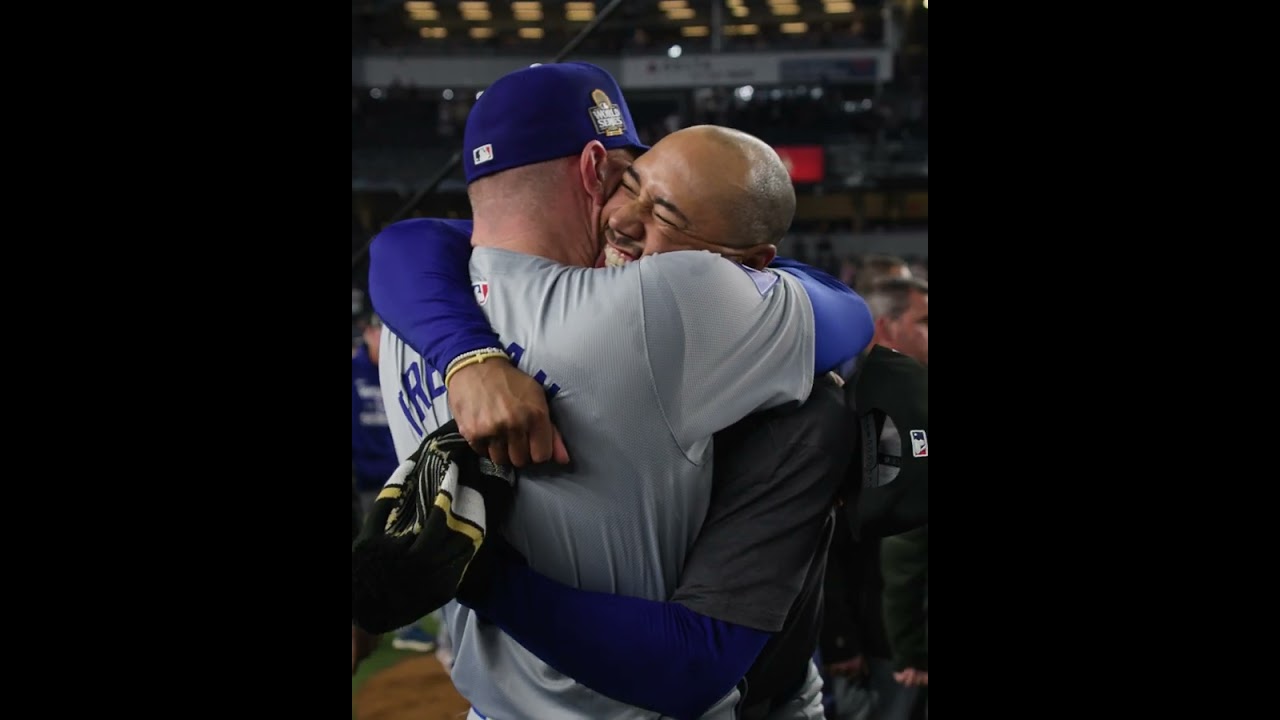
<point>426,532</point>
<point>542,113</point>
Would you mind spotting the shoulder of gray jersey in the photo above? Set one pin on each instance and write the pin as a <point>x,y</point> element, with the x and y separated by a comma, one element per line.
<point>723,340</point>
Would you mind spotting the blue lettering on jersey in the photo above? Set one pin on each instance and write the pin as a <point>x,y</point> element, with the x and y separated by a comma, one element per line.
<point>515,352</point>
<point>409,416</point>
<point>420,398</point>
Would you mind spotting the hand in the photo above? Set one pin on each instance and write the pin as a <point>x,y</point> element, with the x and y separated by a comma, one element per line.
<point>503,413</point>
<point>912,677</point>
<point>362,645</point>
<point>851,668</point>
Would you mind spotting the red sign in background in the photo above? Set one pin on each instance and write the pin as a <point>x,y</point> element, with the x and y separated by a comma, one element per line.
<point>805,162</point>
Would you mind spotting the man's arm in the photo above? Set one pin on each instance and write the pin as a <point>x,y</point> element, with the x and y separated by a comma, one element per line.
<point>836,309</point>
<point>677,662</point>
<point>776,477</point>
<point>420,285</point>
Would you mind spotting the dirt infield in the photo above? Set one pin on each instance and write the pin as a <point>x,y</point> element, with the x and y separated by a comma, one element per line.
<point>413,689</point>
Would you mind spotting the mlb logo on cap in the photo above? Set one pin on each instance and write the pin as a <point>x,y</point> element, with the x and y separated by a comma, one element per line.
<point>919,444</point>
<point>482,154</point>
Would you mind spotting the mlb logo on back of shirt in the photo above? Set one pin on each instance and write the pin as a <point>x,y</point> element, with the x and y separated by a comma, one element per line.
<point>482,154</point>
<point>919,444</point>
<point>481,289</point>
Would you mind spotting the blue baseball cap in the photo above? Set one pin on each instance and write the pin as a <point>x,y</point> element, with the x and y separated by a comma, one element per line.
<point>542,113</point>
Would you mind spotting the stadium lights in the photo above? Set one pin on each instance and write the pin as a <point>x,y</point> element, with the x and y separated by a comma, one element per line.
<point>695,31</point>
<point>477,15</point>
<point>528,15</point>
<point>422,10</point>
<point>742,29</point>
<point>480,33</point>
<point>473,5</point>
<point>793,28</point>
<point>680,13</point>
<point>521,6</point>
<point>433,32</point>
<point>926,4</point>
<point>740,11</point>
<point>835,8</point>
<point>531,33</point>
<point>579,11</point>
<point>672,4</point>
<point>785,9</point>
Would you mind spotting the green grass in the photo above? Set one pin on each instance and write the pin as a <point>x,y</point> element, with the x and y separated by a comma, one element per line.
<point>384,657</point>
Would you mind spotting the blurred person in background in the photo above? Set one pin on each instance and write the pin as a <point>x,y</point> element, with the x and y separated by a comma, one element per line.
<point>871,679</point>
<point>373,455</point>
<point>877,267</point>
<point>904,565</point>
<point>900,306</point>
<point>901,309</point>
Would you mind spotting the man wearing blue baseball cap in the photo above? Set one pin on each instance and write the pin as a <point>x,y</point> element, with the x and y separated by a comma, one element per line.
<point>580,103</point>
<point>687,343</point>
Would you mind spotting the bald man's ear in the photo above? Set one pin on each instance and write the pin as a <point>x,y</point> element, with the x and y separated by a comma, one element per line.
<point>592,167</point>
<point>759,257</point>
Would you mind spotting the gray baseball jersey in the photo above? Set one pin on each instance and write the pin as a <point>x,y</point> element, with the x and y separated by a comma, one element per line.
<point>644,363</point>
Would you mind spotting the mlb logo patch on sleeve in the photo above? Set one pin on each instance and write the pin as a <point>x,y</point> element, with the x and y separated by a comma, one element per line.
<point>919,444</point>
<point>481,289</point>
<point>482,154</point>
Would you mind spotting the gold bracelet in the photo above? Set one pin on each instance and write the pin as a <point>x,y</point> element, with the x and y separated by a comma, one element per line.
<point>485,351</point>
<point>472,358</point>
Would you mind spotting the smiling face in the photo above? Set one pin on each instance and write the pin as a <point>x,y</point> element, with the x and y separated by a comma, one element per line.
<point>682,195</point>
<point>668,200</point>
